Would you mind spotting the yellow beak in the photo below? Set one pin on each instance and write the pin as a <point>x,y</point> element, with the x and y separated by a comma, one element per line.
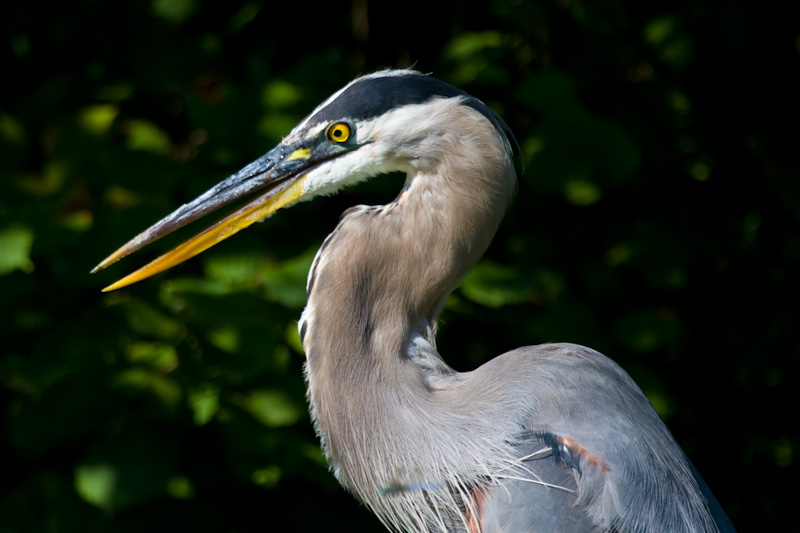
<point>282,169</point>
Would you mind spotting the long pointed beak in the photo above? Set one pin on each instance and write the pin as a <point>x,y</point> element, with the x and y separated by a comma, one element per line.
<point>280,174</point>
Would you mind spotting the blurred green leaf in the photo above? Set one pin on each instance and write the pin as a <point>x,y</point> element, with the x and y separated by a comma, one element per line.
<point>659,29</point>
<point>495,285</point>
<point>784,453</point>
<point>286,281</point>
<point>244,16</point>
<point>234,271</point>
<point>97,119</point>
<point>750,226</point>
<point>15,250</point>
<point>292,338</point>
<point>161,357</point>
<point>225,338</point>
<point>619,254</point>
<point>468,45</point>
<point>267,477</point>
<point>278,94</point>
<point>204,402</point>
<point>11,130</point>
<point>661,403</point>
<point>471,54</point>
<point>121,198</point>
<point>146,136</point>
<point>145,319</point>
<point>180,487</point>
<point>175,11</point>
<point>272,408</point>
<point>123,472</point>
<point>700,171</point>
<point>664,33</point>
<point>144,381</point>
<point>114,93</point>
<point>581,192</point>
<point>96,483</point>
<point>49,182</point>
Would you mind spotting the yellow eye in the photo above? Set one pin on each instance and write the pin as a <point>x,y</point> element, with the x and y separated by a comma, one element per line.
<point>339,132</point>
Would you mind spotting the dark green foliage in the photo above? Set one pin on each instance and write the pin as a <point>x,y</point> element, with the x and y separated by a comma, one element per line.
<point>658,221</point>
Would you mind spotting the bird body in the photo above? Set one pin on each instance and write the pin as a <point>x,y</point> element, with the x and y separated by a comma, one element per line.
<point>546,438</point>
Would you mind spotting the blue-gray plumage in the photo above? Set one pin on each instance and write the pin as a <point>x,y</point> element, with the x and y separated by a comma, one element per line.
<point>544,438</point>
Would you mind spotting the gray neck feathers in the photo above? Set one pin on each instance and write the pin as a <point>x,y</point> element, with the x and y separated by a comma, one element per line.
<point>376,383</point>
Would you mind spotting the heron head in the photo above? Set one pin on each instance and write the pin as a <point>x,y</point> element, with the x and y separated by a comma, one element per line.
<point>385,122</point>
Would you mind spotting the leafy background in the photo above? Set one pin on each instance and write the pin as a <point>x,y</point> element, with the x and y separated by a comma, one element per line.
<point>657,221</point>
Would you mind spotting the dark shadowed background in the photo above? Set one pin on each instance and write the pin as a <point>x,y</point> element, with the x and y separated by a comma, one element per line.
<point>658,221</point>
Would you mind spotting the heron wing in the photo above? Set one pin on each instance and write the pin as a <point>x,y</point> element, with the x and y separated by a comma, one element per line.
<point>538,496</point>
<point>628,473</point>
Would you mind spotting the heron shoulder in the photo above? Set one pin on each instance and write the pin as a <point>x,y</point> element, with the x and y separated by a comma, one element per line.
<point>599,425</point>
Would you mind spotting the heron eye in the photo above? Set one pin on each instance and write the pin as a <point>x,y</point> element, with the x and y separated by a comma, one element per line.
<point>339,132</point>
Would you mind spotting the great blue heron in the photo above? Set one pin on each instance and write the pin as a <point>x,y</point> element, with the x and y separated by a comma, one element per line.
<point>544,438</point>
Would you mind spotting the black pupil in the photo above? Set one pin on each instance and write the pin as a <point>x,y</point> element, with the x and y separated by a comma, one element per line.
<point>337,133</point>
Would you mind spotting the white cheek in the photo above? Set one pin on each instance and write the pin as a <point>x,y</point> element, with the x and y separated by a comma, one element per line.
<point>367,161</point>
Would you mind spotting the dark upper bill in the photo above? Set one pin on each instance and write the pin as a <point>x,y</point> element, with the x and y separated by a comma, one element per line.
<point>281,172</point>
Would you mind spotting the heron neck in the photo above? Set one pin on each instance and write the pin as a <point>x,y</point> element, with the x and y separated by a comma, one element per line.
<point>379,283</point>
<point>382,276</point>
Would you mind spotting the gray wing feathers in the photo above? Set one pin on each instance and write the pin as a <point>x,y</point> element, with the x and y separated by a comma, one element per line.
<point>630,474</point>
<point>523,506</point>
